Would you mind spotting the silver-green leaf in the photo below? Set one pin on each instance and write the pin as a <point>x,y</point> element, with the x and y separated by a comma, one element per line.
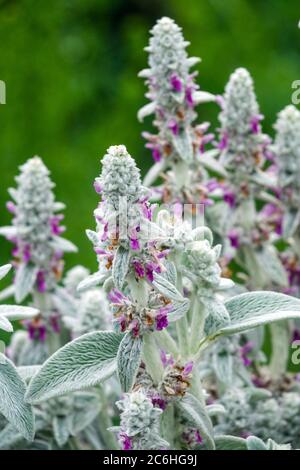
<point>196,414</point>
<point>12,403</point>
<point>120,266</point>
<point>129,359</point>
<point>84,362</point>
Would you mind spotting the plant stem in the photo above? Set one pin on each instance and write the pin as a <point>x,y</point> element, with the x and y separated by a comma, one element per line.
<point>152,359</point>
<point>105,423</point>
<point>198,318</point>
<point>280,349</point>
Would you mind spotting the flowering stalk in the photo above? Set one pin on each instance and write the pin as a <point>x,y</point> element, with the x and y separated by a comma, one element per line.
<point>38,248</point>
<point>174,95</point>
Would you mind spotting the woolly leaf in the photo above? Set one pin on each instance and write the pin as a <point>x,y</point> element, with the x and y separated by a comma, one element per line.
<point>129,359</point>
<point>91,281</point>
<point>4,270</point>
<point>230,443</point>
<point>64,245</point>
<point>12,404</point>
<point>178,310</point>
<point>5,324</point>
<point>254,443</point>
<point>271,264</point>
<point>17,312</point>
<point>146,111</point>
<point>196,415</point>
<point>120,266</point>
<point>24,280</point>
<point>61,430</point>
<point>253,309</point>
<point>167,289</point>
<point>82,363</point>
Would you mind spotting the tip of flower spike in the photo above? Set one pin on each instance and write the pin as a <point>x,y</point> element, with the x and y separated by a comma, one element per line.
<point>117,151</point>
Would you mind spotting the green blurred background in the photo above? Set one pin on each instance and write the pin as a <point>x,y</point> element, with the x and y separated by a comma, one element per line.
<point>70,68</point>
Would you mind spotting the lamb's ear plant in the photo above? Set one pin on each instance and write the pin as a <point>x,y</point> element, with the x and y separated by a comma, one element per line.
<point>38,250</point>
<point>13,407</point>
<point>154,280</point>
<point>178,146</point>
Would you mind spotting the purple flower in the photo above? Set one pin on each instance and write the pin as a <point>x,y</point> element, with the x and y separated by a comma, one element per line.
<point>150,269</point>
<point>36,331</point>
<point>176,83</point>
<point>220,101</point>
<point>54,223</point>
<point>97,187</point>
<point>138,267</point>
<point>189,96</point>
<point>187,368</point>
<point>26,253</point>
<point>41,281</point>
<point>104,236</point>
<point>156,154</point>
<point>116,297</point>
<point>244,351</point>
<point>255,127</point>
<point>134,244</point>
<point>11,207</point>
<point>125,441</point>
<point>198,437</point>
<point>223,144</point>
<point>234,238</point>
<point>161,318</point>
<point>54,321</point>
<point>173,126</point>
<point>229,197</point>
<point>158,401</point>
<point>166,359</point>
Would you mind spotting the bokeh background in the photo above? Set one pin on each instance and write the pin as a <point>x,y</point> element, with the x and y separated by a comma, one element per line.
<point>70,68</point>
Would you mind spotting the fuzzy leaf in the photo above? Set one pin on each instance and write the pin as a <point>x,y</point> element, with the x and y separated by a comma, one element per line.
<point>217,316</point>
<point>8,232</point>
<point>27,372</point>
<point>17,312</point>
<point>167,289</point>
<point>64,245</point>
<point>129,359</point>
<point>271,264</point>
<point>120,266</point>
<point>61,429</point>
<point>146,110</point>
<point>4,270</point>
<point>154,172</point>
<point>178,310</point>
<point>12,404</point>
<point>196,414</point>
<point>5,325</point>
<point>24,280</point>
<point>82,363</point>
<point>183,145</point>
<point>211,163</point>
<point>93,236</point>
<point>253,309</point>
<point>230,443</point>
<point>254,443</point>
<point>170,274</point>
<point>203,97</point>
<point>91,281</point>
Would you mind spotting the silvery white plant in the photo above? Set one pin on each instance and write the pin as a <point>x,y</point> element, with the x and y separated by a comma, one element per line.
<point>174,95</point>
<point>186,290</point>
<point>252,411</point>
<point>286,149</point>
<point>38,256</point>
<point>247,233</point>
